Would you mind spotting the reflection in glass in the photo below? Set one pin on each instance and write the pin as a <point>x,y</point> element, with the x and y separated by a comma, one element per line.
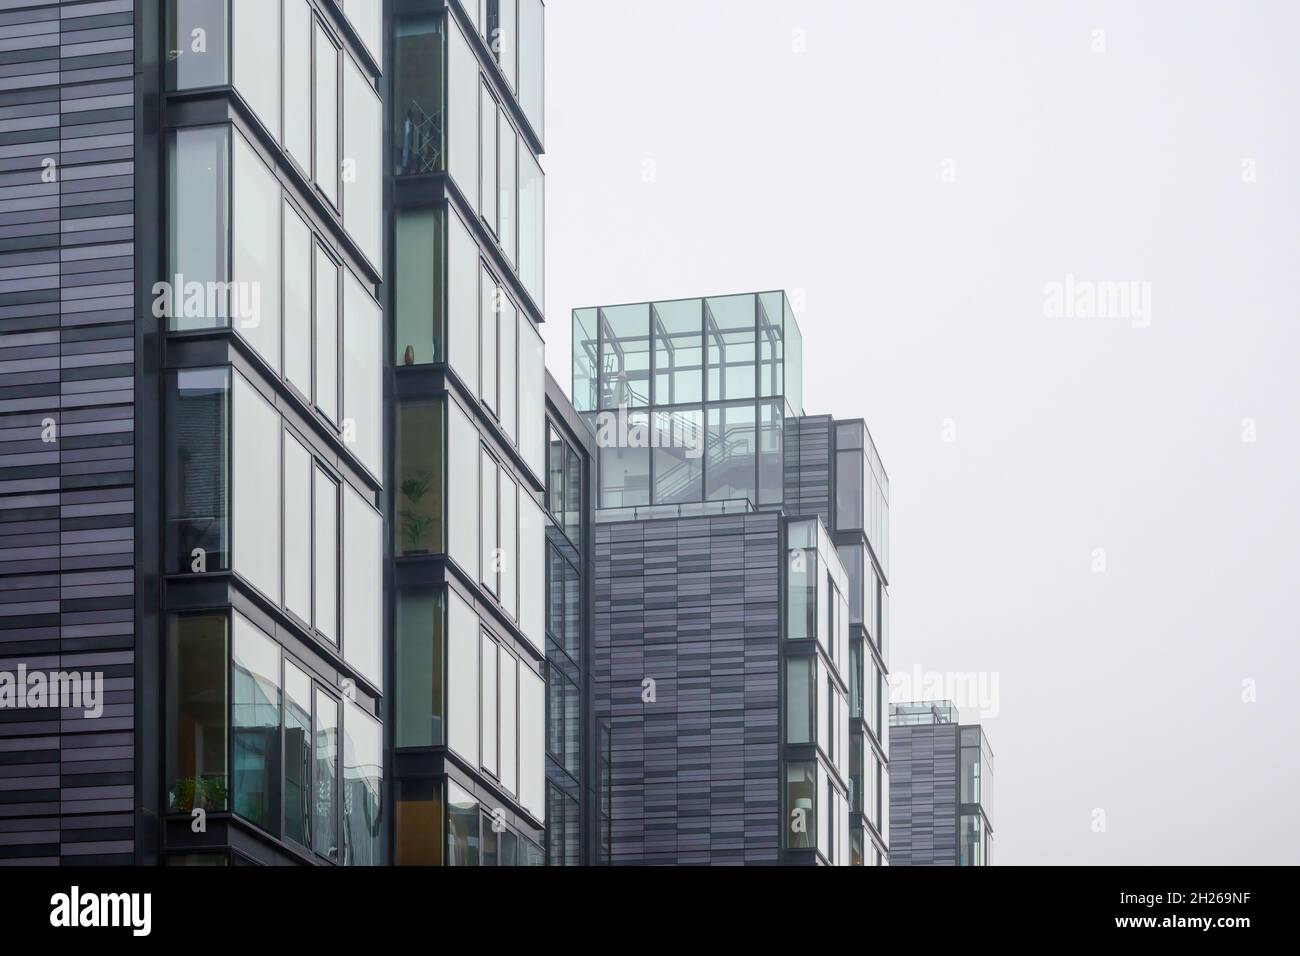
<point>198,473</point>
<point>297,755</point>
<point>255,725</point>
<point>197,694</point>
<point>324,829</point>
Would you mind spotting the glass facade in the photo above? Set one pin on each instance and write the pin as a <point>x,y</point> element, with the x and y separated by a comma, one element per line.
<point>688,398</point>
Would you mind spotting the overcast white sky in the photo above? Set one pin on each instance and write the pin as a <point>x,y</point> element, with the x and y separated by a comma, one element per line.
<point>823,171</point>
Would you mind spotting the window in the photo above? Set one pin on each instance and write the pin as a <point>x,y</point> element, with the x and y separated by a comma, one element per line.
<point>197,693</point>
<point>972,841</point>
<point>256,489</point>
<point>488,702</point>
<point>508,335</point>
<point>800,804</point>
<point>420,331</point>
<point>463,490</point>
<point>327,108</point>
<point>679,352</point>
<point>848,489</point>
<point>198,471</point>
<point>532,398</point>
<point>730,453</point>
<point>298,554</point>
<point>325,556</point>
<point>730,333</point>
<point>198,228</point>
<point>325,796</point>
<point>255,725</point>
<point>489,312</point>
<point>462,114</point>
<point>363,775</point>
<point>507,188</point>
<point>462,678</point>
<point>463,283</point>
<point>367,17</point>
<point>489,553</point>
<point>362,176</point>
<point>509,564</point>
<point>799,688</point>
<point>420,636</point>
<point>532,226</point>
<point>509,758</point>
<point>297,300</point>
<point>363,562</point>
<point>801,604</point>
<point>298,81</point>
<point>419,477</point>
<point>418,119</point>
<point>532,722</point>
<point>327,335</point>
<point>531,69</point>
<point>488,158</point>
<point>297,755</point>
<point>256,59</point>
<point>197,44</point>
<point>419,825</point>
<point>255,226</point>
<point>508,29</point>
<point>363,389</point>
<point>462,827</point>
<point>532,572</point>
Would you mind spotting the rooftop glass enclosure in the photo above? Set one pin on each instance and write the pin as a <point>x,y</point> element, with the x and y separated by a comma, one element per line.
<point>688,398</point>
<point>917,712</point>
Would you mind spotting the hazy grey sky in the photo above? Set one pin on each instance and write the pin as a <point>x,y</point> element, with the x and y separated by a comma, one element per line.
<point>819,161</point>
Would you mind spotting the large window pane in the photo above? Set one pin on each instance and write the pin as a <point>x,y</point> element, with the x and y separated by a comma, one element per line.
<point>418,120</point>
<point>256,489</point>
<point>679,352</point>
<point>800,804</point>
<point>509,532</point>
<point>327,109</point>
<point>362,176</point>
<point>419,824</point>
<point>488,158</point>
<point>325,556</point>
<point>256,58</point>
<point>509,759</point>
<point>532,397</point>
<point>363,774</point>
<point>363,566</point>
<point>419,266</point>
<point>363,390</point>
<point>771,463</point>
<point>487,698</point>
<point>679,457</point>
<point>489,315</point>
<point>532,571</point>
<point>531,65</point>
<point>730,334</point>
<point>509,366</point>
<point>462,490</point>
<point>507,188</point>
<point>367,16</point>
<point>584,353</point>
<point>462,114</point>
<point>256,230</point>
<point>730,468</point>
<point>298,81</point>
<point>327,335</point>
<point>462,302</point>
<point>419,668</point>
<point>197,694</point>
<point>198,474</point>
<point>462,678</point>
<point>848,489</point>
<point>532,226</point>
<point>297,300</point>
<point>199,228</point>
<point>196,44</point>
<point>462,827</point>
<point>297,755</point>
<point>625,356</point>
<point>419,456</point>
<point>325,828</point>
<point>489,556</point>
<point>255,725</point>
<point>297,528</point>
<point>532,744</point>
<point>798,700</point>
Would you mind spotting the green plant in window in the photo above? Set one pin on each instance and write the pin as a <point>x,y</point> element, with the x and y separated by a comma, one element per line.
<point>207,793</point>
<point>416,525</point>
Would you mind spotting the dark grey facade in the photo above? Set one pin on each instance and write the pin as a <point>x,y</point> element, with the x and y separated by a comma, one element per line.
<point>687,673</point>
<point>68,373</point>
<point>941,788</point>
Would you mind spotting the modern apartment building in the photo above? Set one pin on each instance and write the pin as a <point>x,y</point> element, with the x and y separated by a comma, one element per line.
<point>941,787</point>
<point>275,422</point>
<point>740,579</point>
